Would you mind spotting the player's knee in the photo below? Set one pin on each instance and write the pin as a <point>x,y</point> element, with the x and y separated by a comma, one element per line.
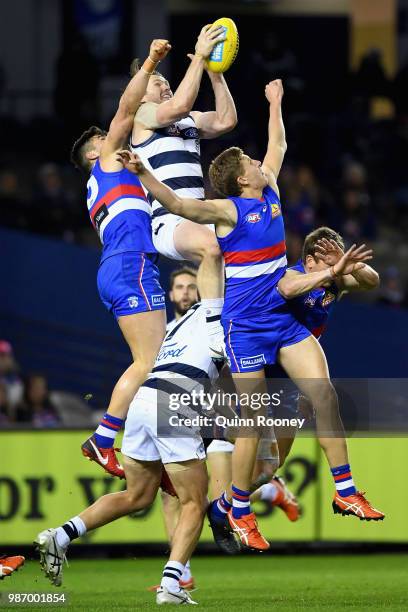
<point>137,500</point>
<point>208,247</point>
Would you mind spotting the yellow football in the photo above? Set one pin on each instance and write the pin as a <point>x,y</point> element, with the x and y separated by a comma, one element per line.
<point>224,53</point>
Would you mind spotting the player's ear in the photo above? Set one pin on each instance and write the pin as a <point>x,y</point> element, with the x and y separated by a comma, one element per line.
<point>242,181</point>
<point>92,155</point>
<point>171,295</point>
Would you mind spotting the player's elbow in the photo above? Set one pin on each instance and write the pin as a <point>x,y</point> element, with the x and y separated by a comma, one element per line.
<point>229,123</point>
<point>286,289</point>
<point>373,282</point>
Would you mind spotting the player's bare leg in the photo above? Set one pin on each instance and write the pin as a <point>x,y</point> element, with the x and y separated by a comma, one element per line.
<point>305,362</point>
<point>144,333</point>
<point>142,479</point>
<point>198,243</point>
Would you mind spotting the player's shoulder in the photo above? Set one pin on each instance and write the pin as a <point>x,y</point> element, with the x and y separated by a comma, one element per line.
<point>146,115</point>
<point>297,267</point>
<point>271,192</point>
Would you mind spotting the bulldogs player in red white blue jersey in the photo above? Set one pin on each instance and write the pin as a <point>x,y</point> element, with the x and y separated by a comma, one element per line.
<point>259,327</point>
<point>128,279</point>
<point>166,135</point>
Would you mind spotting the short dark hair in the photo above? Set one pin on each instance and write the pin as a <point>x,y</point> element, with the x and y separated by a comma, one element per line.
<point>225,170</point>
<point>135,67</point>
<point>179,271</point>
<point>81,145</point>
<point>309,245</point>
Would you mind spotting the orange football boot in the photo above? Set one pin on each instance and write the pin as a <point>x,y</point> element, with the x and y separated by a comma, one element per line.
<point>356,505</point>
<point>8,565</point>
<point>247,530</point>
<point>187,585</point>
<point>285,499</point>
<point>106,457</point>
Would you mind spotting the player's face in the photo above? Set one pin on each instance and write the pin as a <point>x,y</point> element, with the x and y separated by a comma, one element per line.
<point>253,173</point>
<point>184,293</point>
<point>158,90</point>
<point>97,144</point>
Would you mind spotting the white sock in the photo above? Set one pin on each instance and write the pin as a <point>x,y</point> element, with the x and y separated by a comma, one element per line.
<point>72,529</point>
<point>173,571</point>
<point>187,572</point>
<point>268,491</point>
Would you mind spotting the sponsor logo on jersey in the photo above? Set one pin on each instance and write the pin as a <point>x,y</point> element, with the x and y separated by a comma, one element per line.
<point>275,209</point>
<point>249,362</point>
<point>133,301</point>
<point>171,350</point>
<point>310,301</point>
<point>191,132</point>
<point>100,216</point>
<point>328,298</point>
<point>157,300</point>
<point>253,218</point>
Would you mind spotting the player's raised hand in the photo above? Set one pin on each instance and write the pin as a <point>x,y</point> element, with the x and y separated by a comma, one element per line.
<point>352,260</point>
<point>130,161</point>
<point>159,48</point>
<point>209,36</point>
<point>274,91</point>
<point>330,252</point>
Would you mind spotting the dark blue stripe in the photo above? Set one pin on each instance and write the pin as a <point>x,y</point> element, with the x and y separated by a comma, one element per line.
<point>183,369</point>
<point>184,182</point>
<point>163,385</point>
<point>173,157</point>
<point>159,212</point>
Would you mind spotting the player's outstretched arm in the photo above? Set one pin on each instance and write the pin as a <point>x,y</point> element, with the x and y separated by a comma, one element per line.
<point>215,123</point>
<point>221,212</point>
<point>276,133</point>
<point>122,122</point>
<point>182,102</point>
<point>361,278</point>
<point>294,283</point>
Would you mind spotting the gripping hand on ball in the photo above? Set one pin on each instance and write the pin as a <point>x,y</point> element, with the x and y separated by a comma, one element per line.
<point>209,36</point>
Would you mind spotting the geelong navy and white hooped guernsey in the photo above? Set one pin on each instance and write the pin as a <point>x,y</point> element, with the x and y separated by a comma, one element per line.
<point>172,153</point>
<point>183,364</point>
<point>119,212</point>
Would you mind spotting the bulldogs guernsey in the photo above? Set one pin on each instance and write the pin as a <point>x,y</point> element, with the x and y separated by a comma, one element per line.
<point>312,309</point>
<point>256,319</point>
<point>119,212</point>
<point>128,279</point>
<point>172,153</point>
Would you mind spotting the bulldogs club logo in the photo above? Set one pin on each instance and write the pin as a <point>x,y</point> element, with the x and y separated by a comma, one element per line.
<point>328,298</point>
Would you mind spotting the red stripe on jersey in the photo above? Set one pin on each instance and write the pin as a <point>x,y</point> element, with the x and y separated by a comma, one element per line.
<point>121,191</point>
<point>255,256</point>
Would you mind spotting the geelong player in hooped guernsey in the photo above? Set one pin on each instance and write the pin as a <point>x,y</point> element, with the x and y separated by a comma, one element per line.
<point>260,328</point>
<point>128,279</point>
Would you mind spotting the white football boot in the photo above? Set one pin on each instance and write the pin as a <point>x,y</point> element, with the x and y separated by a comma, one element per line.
<point>52,555</point>
<point>163,596</point>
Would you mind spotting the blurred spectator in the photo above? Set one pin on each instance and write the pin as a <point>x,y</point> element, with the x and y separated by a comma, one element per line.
<point>54,203</point>
<point>9,373</point>
<point>300,196</point>
<point>392,292</point>
<point>358,218</point>
<point>5,407</point>
<point>13,210</point>
<point>370,79</point>
<point>76,93</point>
<point>36,407</point>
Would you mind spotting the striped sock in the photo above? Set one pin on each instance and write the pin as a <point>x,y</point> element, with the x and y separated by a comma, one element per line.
<point>173,571</point>
<point>343,480</point>
<point>107,430</point>
<point>240,502</point>
<point>213,309</point>
<point>75,528</point>
<point>220,507</point>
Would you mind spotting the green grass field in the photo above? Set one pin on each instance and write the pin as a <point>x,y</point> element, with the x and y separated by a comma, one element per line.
<point>375,582</point>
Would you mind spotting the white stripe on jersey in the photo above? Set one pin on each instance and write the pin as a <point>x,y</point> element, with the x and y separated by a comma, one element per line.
<point>187,346</point>
<point>253,270</point>
<point>175,170</point>
<point>120,206</point>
